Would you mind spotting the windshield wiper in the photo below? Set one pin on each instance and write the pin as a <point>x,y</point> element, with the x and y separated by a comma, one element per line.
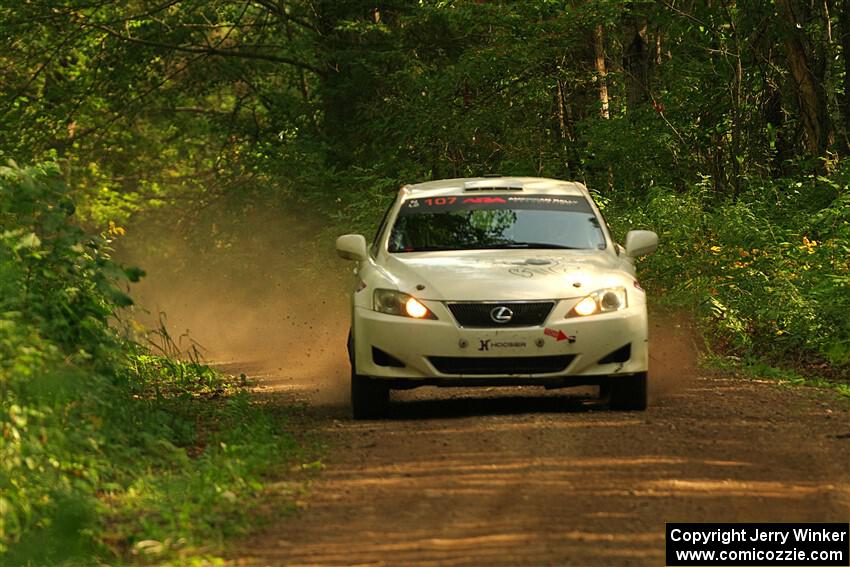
<point>494,246</point>
<point>545,245</point>
<point>424,249</point>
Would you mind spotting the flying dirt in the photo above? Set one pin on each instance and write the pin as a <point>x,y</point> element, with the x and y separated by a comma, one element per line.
<point>247,288</point>
<point>497,476</point>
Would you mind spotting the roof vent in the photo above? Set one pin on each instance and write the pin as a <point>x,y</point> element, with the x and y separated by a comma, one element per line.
<point>492,185</point>
<point>493,188</point>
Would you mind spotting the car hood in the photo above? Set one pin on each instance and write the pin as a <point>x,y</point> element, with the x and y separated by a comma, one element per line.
<point>505,274</point>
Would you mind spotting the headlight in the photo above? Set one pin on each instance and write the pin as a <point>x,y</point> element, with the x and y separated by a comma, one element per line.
<point>394,302</point>
<point>600,301</point>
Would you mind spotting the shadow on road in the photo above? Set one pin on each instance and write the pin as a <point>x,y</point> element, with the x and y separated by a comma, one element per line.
<point>492,405</point>
<point>462,403</point>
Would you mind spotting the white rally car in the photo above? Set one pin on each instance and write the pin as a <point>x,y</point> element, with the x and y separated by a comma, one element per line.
<point>496,281</point>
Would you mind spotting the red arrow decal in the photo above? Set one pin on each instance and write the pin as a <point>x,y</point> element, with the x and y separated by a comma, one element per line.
<point>559,335</point>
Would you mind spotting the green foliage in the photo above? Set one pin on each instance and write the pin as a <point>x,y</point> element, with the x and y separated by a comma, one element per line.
<point>102,445</point>
<point>770,271</point>
<point>54,276</point>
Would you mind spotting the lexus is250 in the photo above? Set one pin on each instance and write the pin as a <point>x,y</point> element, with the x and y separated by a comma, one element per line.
<point>496,281</point>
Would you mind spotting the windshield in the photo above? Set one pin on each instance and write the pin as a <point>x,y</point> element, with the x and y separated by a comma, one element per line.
<point>481,222</point>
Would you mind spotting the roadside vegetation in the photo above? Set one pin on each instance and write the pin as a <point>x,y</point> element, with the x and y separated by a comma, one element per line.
<point>107,449</point>
<point>767,273</point>
<point>723,127</point>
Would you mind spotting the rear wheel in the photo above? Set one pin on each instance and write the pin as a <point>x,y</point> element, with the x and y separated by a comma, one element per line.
<point>628,393</point>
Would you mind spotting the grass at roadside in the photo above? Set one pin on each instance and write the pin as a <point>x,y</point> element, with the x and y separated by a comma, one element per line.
<point>169,471</point>
<point>759,369</point>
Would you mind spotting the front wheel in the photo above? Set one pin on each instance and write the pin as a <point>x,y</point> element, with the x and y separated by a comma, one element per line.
<point>628,393</point>
<point>370,398</point>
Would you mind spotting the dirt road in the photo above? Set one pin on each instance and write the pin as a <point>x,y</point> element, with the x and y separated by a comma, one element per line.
<point>508,477</point>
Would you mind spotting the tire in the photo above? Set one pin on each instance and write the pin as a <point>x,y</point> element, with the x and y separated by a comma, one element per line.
<point>370,398</point>
<point>628,393</point>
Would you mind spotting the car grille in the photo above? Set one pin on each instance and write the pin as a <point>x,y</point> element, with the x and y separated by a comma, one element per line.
<point>501,365</point>
<point>525,313</point>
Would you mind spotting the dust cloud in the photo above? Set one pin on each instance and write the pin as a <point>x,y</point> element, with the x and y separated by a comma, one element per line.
<point>673,353</point>
<point>255,287</point>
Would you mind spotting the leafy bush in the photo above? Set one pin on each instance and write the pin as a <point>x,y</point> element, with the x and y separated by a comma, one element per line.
<point>770,271</point>
<point>104,446</point>
<point>53,308</point>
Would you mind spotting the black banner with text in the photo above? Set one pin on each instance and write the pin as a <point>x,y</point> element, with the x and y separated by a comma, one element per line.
<point>758,544</point>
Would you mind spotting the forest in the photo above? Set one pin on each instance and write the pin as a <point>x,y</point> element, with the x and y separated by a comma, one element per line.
<point>722,125</point>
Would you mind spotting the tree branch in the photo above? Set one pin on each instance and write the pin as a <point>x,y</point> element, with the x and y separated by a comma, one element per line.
<point>281,13</point>
<point>213,51</point>
<point>147,14</point>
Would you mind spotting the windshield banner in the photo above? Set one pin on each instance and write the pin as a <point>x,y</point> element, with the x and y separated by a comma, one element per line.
<point>495,202</point>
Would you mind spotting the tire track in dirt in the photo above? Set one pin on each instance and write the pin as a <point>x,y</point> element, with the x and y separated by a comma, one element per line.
<point>471,478</point>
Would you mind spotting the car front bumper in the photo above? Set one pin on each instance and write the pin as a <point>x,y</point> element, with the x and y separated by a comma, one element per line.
<point>564,351</point>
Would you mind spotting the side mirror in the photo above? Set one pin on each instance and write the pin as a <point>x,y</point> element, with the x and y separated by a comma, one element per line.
<point>641,242</point>
<point>352,247</point>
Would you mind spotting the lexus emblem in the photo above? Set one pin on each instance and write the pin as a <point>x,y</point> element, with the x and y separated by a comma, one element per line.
<point>501,314</point>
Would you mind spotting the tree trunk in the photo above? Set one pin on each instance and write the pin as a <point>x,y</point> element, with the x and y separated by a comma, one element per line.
<point>562,111</point>
<point>636,61</point>
<point>565,132</point>
<point>346,85</point>
<point>601,70</point>
<point>808,82</point>
<point>602,80</point>
<point>737,99</point>
<point>844,95</point>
